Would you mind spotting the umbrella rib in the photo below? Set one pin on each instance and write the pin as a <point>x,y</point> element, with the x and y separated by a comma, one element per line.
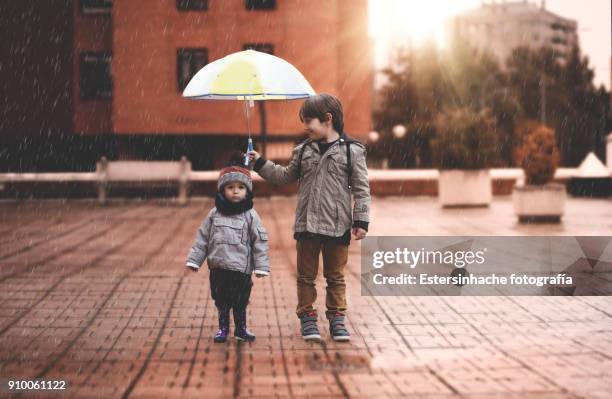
<point>296,95</point>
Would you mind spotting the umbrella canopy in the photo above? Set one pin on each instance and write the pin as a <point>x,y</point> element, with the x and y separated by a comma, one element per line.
<point>248,75</point>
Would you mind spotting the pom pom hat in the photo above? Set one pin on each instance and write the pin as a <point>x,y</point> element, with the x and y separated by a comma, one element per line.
<point>235,173</point>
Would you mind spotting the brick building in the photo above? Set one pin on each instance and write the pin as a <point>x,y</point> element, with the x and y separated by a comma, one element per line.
<point>128,61</point>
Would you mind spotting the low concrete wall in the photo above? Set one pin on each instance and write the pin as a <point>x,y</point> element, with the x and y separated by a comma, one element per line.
<point>407,182</point>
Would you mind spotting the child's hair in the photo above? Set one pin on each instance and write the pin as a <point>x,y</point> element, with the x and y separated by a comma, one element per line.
<point>321,104</point>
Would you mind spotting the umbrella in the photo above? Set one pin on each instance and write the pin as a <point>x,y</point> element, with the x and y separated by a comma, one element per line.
<point>248,76</point>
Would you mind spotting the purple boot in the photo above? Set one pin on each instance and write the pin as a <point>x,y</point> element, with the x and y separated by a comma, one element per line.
<point>241,333</point>
<point>221,335</point>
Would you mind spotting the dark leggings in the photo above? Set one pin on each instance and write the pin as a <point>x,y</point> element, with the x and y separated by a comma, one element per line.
<point>230,289</point>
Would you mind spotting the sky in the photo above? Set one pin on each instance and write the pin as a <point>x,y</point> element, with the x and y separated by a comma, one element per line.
<point>420,19</point>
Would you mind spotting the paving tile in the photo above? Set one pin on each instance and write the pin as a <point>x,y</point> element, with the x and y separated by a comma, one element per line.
<point>119,314</point>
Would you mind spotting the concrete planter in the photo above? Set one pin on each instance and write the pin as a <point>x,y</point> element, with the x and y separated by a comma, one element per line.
<point>539,203</point>
<point>464,188</point>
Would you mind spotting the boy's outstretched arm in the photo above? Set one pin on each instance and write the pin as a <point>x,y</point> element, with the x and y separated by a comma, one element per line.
<point>276,174</point>
<point>199,249</point>
<point>259,246</point>
<point>361,193</point>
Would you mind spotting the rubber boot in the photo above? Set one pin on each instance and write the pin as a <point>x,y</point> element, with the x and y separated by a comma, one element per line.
<point>241,333</point>
<point>221,335</point>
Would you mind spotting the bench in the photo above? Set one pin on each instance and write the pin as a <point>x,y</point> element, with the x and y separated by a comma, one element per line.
<point>143,172</point>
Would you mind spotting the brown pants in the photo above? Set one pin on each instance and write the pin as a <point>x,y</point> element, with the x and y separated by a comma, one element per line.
<point>334,260</point>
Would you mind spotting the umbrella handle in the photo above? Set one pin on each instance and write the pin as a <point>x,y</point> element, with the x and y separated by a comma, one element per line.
<point>249,149</point>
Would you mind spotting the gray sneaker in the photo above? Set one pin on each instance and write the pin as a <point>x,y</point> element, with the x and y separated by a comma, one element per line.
<point>310,331</point>
<point>337,329</point>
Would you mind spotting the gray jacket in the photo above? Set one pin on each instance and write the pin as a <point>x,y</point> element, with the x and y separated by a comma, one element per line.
<point>324,198</point>
<point>233,242</point>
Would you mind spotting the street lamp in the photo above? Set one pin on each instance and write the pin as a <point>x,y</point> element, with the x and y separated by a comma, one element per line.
<point>399,131</point>
<point>397,150</point>
<point>373,136</point>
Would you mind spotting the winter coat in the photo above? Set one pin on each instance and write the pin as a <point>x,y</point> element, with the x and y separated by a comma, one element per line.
<point>324,196</point>
<point>232,242</point>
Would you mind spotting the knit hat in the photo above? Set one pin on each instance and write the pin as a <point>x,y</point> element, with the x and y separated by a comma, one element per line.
<point>235,173</point>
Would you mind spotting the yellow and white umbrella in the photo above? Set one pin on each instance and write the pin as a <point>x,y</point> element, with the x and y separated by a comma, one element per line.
<point>248,75</point>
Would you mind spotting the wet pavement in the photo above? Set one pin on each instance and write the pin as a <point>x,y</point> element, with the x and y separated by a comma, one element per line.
<point>99,297</point>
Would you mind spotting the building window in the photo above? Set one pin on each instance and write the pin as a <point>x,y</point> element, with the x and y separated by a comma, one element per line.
<point>253,5</point>
<point>558,40</point>
<point>93,7</point>
<point>561,27</point>
<point>188,62</point>
<point>263,47</point>
<point>96,82</point>
<point>192,5</point>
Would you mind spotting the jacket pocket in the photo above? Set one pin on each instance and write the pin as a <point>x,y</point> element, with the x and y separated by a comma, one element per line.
<point>227,231</point>
<point>337,167</point>
<point>263,234</point>
<point>309,163</point>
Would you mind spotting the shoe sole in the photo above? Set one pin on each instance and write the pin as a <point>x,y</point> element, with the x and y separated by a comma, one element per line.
<point>245,340</point>
<point>312,337</point>
<point>342,338</point>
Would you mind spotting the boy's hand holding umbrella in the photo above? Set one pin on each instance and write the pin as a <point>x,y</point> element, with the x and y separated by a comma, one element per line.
<point>253,156</point>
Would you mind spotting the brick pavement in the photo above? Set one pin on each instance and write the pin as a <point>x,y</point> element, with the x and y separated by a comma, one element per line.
<point>98,296</point>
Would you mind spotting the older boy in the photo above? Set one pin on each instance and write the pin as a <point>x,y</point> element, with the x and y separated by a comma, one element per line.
<point>330,168</point>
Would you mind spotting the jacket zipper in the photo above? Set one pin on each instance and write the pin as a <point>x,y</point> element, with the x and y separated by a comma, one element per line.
<point>248,246</point>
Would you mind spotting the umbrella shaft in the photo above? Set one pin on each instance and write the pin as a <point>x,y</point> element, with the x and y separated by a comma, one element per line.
<point>248,117</point>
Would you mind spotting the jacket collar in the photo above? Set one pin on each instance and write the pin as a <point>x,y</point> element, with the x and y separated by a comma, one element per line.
<point>334,148</point>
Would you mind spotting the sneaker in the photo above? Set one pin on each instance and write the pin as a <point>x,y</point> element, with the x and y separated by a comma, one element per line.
<point>310,331</point>
<point>337,329</point>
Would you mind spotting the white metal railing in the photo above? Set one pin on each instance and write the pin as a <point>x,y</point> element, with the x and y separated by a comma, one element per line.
<point>179,172</point>
<point>213,175</point>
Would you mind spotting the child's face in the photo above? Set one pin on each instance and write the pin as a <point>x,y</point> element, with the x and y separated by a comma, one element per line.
<point>234,191</point>
<point>316,129</point>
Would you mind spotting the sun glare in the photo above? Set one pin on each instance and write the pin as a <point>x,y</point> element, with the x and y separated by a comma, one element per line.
<point>410,20</point>
<point>395,24</point>
<point>413,21</point>
<point>417,22</point>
